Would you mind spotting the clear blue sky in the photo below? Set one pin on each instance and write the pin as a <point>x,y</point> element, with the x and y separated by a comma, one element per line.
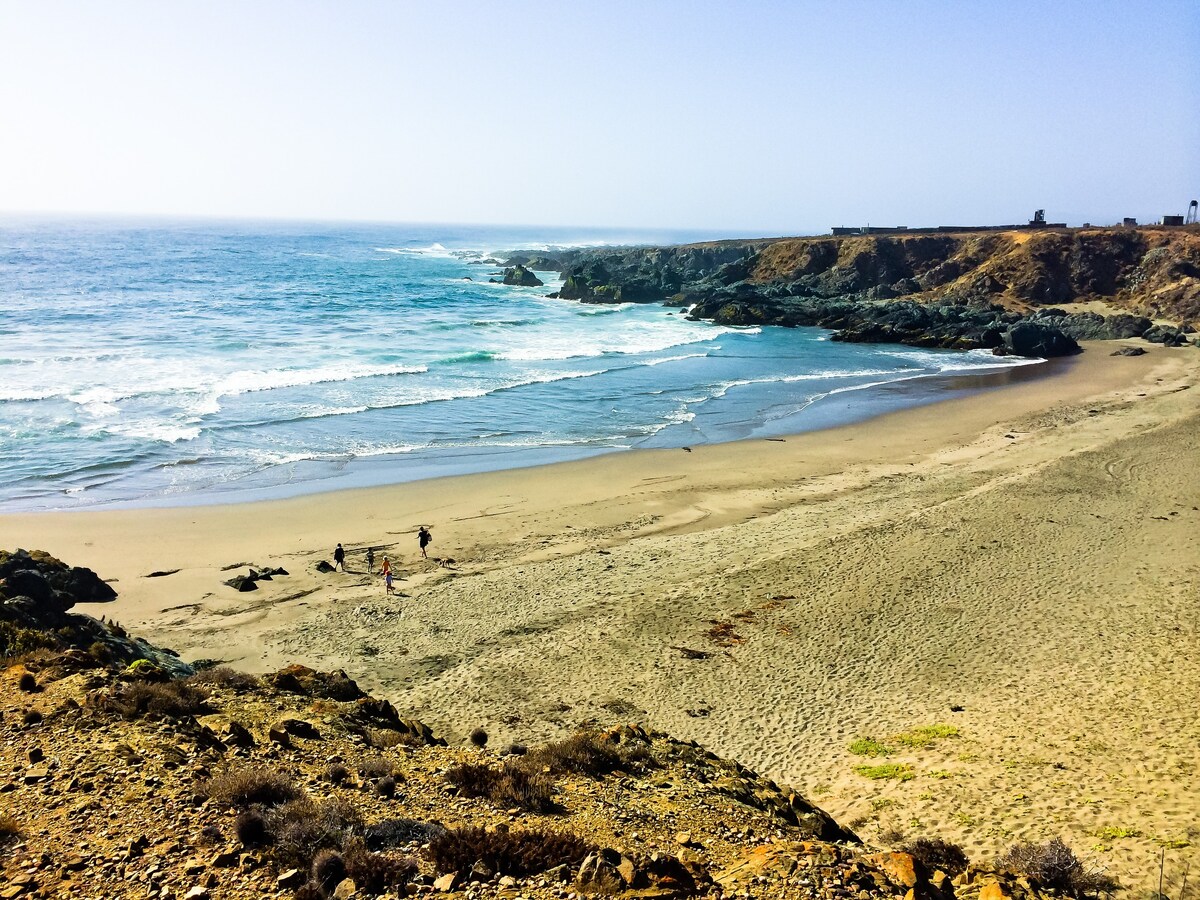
<point>747,117</point>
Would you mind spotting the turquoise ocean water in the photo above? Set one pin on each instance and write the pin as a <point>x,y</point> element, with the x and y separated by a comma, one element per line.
<point>171,363</point>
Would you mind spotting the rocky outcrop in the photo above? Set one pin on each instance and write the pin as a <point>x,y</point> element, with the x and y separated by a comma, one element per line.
<point>959,291</point>
<point>521,276</point>
<point>36,593</point>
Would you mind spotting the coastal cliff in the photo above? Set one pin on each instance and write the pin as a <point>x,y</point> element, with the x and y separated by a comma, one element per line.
<point>994,290</point>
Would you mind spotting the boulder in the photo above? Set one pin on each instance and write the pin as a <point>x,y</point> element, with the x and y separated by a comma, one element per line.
<point>1032,338</point>
<point>1167,335</point>
<point>1129,351</point>
<point>49,582</point>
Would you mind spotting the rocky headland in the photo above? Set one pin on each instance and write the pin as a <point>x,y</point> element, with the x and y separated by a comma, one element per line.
<point>129,773</point>
<point>1004,291</point>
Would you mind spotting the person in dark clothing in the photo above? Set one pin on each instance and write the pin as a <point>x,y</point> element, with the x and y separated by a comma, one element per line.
<point>423,538</point>
<point>370,560</point>
<point>339,558</point>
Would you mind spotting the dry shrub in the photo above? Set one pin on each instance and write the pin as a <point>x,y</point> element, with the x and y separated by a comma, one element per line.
<point>937,854</point>
<point>302,828</point>
<point>512,785</point>
<point>479,738</point>
<point>386,787</point>
<point>375,873</point>
<point>389,833</point>
<point>9,828</point>
<point>516,853</point>
<point>251,828</point>
<point>251,786</point>
<point>385,739</point>
<point>227,678</point>
<point>336,773</point>
<point>32,717</point>
<point>154,700</point>
<point>1055,867</point>
<point>589,753</point>
<point>27,683</point>
<point>328,869</point>
<point>376,767</point>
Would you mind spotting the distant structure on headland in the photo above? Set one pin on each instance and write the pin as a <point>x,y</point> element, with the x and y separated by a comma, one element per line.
<point>1038,221</point>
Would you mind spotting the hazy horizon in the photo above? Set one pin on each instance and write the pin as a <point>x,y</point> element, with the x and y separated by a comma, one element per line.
<point>767,119</point>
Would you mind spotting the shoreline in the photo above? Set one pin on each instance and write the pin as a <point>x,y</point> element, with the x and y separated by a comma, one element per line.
<point>374,473</point>
<point>1018,564</point>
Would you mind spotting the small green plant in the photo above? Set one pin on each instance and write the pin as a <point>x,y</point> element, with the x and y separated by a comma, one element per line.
<point>940,773</point>
<point>925,735</point>
<point>880,803</point>
<point>1173,843</point>
<point>897,771</point>
<point>865,746</point>
<point>1116,831</point>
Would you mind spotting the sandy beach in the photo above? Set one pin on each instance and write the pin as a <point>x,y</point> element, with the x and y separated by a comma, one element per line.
<point>1021,565</point>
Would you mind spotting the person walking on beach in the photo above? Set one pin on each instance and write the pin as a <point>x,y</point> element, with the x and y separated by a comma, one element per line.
<point>386,569</point>
<point>370,560</point>
<point>339,558</point>
<point>387,582</point>
<point>423,538</point>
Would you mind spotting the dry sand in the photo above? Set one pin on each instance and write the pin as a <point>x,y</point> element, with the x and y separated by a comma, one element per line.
<point>1022,565</point>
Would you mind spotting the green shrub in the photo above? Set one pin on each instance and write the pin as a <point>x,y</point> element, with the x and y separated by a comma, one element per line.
<point>869,747</point>
<point>17,641</point>
<point>925,735</point>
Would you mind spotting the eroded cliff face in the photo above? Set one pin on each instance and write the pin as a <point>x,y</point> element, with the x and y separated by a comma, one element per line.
<point>1155,273</point>
<point>959,291</point>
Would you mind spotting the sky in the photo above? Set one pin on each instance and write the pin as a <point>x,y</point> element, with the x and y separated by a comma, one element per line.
<point>746,118</point>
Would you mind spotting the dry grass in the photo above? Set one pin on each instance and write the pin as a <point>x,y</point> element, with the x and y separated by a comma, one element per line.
<point>516,853</point>
<point>512,785</point>
<point>157,700</point>
<point>589,753</point>
<point>227,678</point>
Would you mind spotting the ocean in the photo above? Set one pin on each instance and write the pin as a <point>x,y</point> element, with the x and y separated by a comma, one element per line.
<point>171,363</point>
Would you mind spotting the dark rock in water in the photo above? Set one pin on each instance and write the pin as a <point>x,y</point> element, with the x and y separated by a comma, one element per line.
<point>324,567</point>
<point>1031,338</point>
<point>1129,351</point>
<point>522,277</point>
